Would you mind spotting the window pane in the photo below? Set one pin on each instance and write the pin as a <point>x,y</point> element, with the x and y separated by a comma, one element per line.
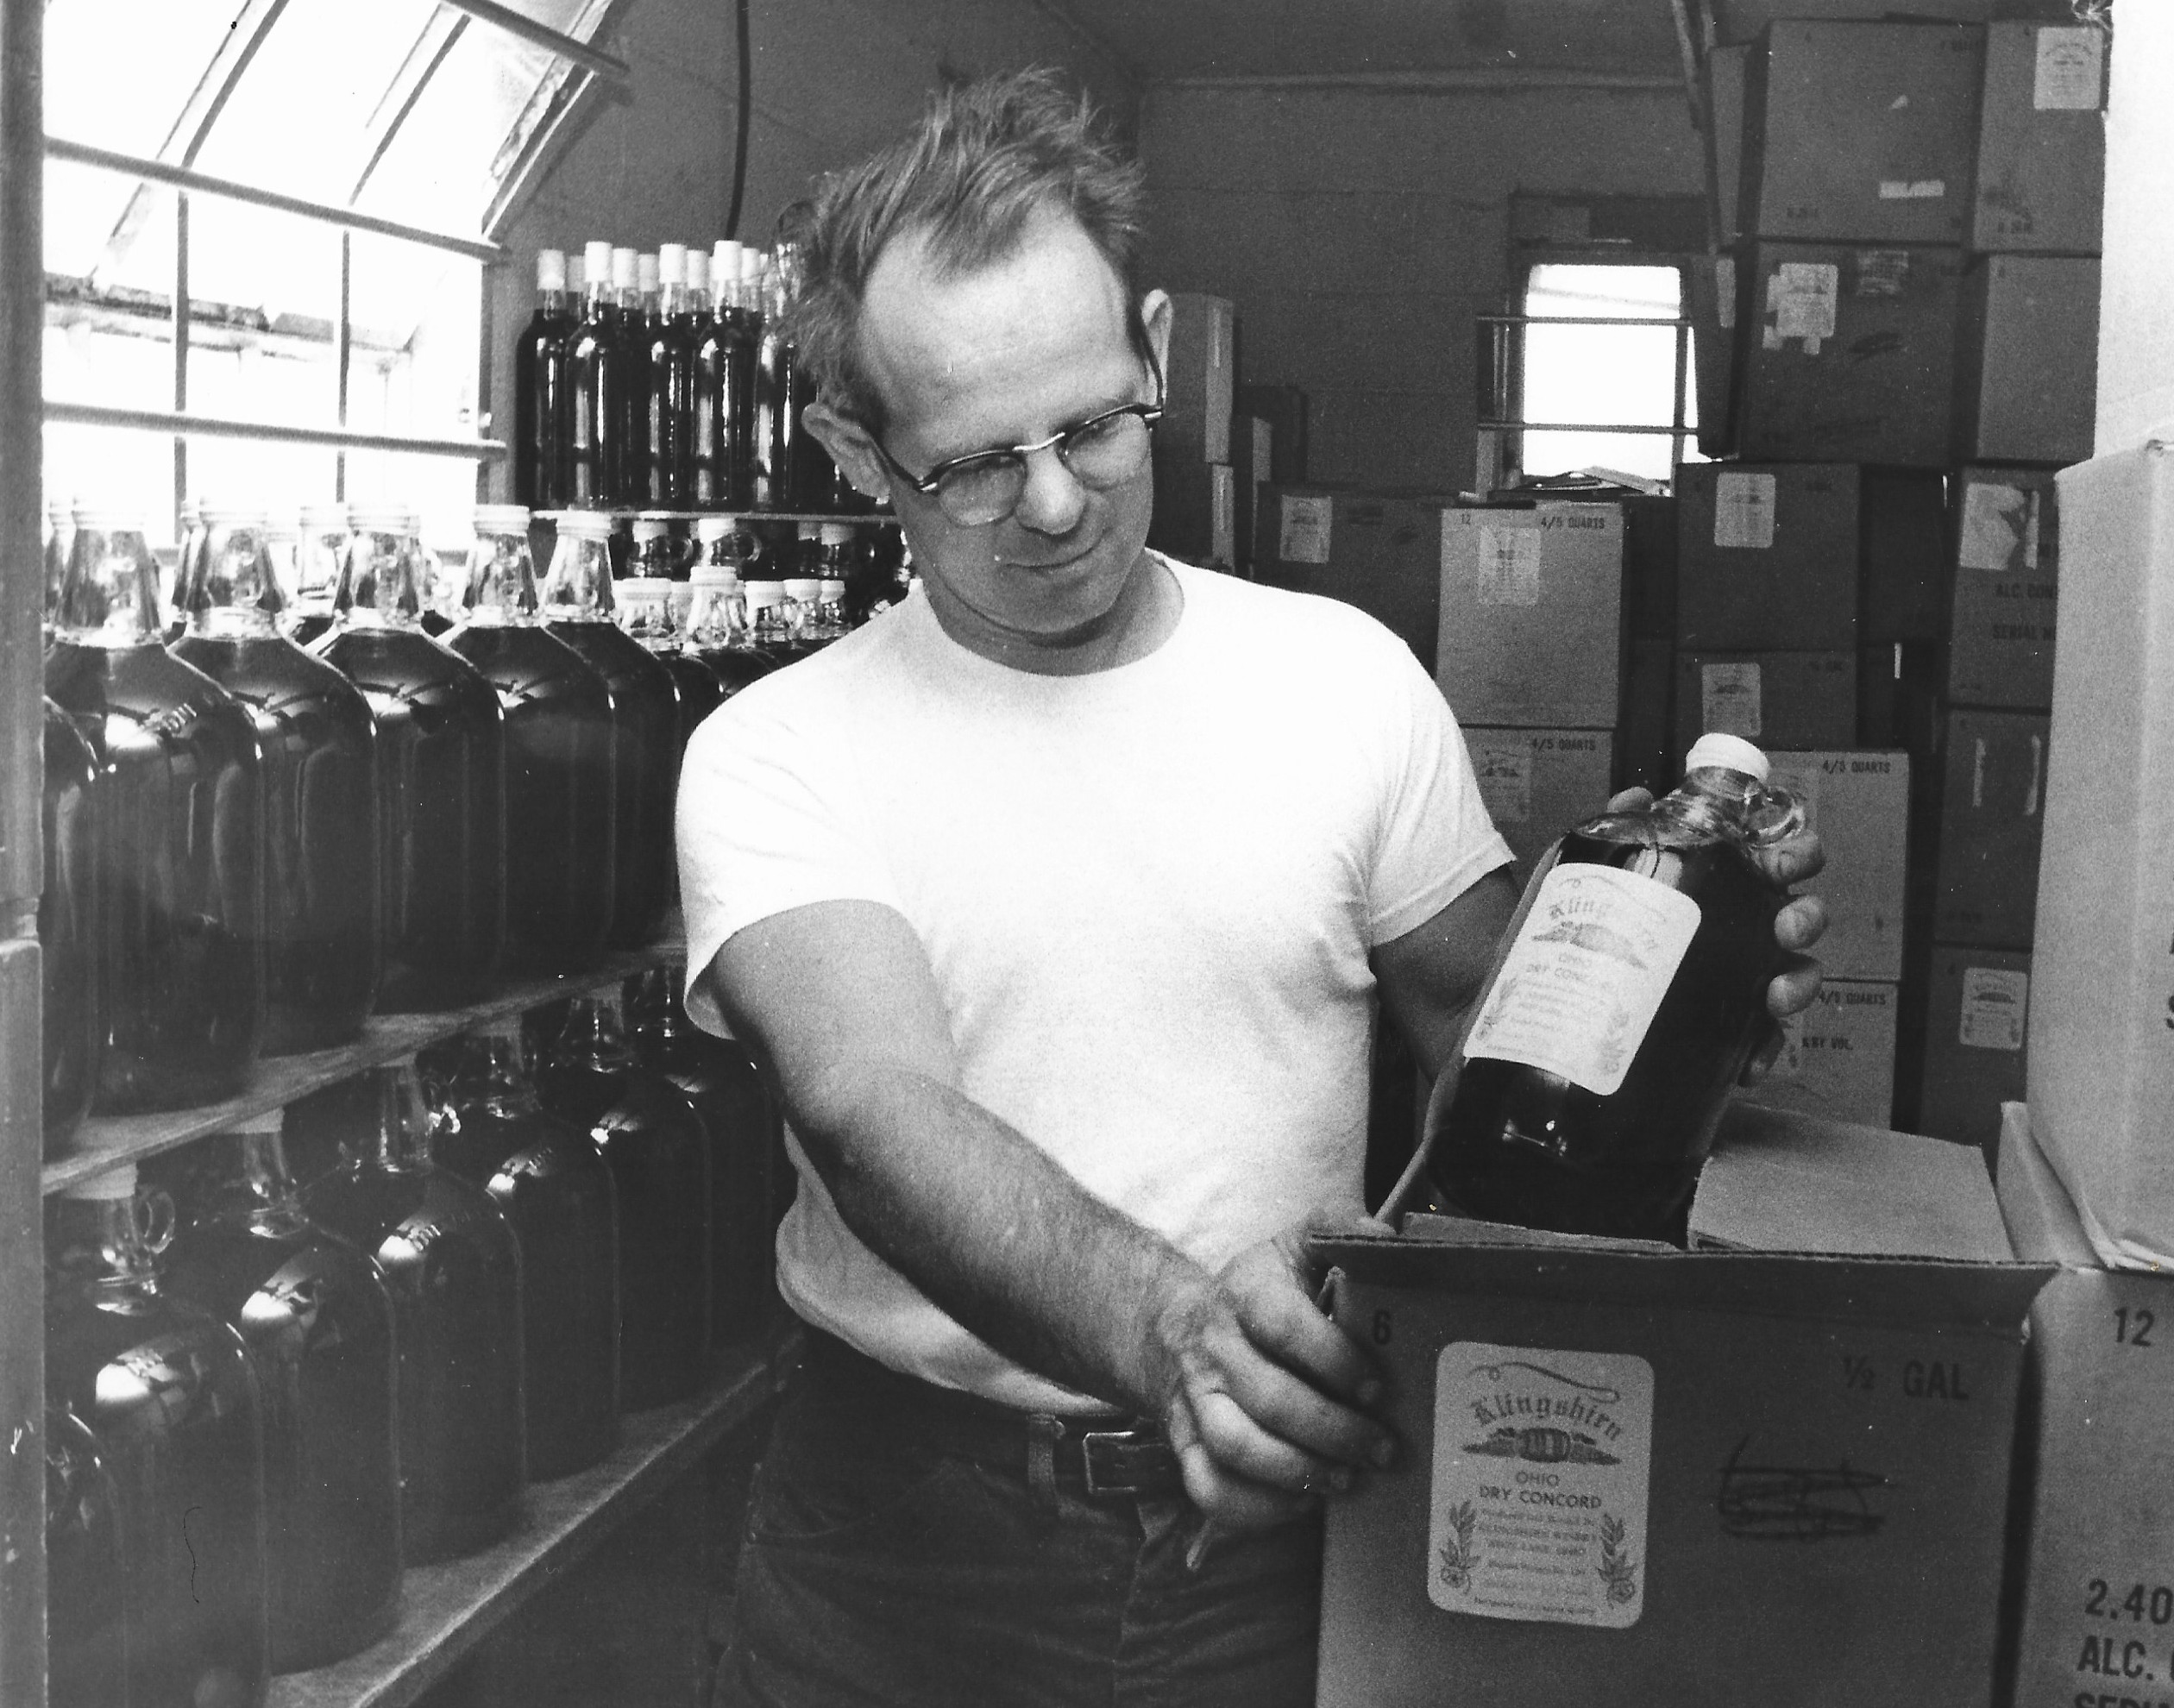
<point>1604,291</point>
<point>118,77</point>
<point>1604,374</point>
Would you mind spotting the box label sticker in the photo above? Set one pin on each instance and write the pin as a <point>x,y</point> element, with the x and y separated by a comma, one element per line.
<point>1586,975</point>
<point>1995,1003</point>
<point>1802,296</point>
<point>1509,566</point>
<point>1543,1461</point>
<point>1999,528</point>
<point>1881,272</point>
<point>1505,772</point>
<point>2071,69</point>
<point>1744,511</point>
<point>1303,534</point>
<point>1729,699</point>
<point>1912,189</point>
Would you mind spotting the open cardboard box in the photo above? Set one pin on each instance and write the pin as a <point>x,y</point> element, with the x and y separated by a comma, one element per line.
<point>1774,1471</point>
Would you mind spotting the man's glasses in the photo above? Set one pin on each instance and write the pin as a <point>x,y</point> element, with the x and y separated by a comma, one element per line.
<point>1104,450</point>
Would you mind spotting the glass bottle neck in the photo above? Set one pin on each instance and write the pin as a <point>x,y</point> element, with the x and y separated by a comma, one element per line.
<point>594,1037</point>
<point>110,593</point>
<point>550,305</point>
<point>100,1245</point>
<point>231,591</point>
<point>402,1141</point>
<point>380,583</point>
<point>501,582</point>
<point>579,588</point>
<point>497,1067</point>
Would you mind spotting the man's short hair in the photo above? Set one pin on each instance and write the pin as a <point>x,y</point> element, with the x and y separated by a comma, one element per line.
<point>985,157</point>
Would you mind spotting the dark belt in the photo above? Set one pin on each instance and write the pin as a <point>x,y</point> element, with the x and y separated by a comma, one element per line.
<point>1106,1457</point>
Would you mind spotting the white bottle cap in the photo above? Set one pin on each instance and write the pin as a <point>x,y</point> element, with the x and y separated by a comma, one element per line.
<point>837,533</point>
<point>109,518</point>
<point>382,518</point>
<point>671,263</point>
<point>325,519</point>
<point>714,575</point>
<point>577,275</point>
<point>625,270</point>
<point>501,518</point>
<point>596,262</point>
<point>708,528</point>
<point>808,530</point>
<point>762,592</point>
<point>833,588</point>
<point>282,524</point>
<point>651,528</point>
<point>116,1184</point>
<point>587,525</point>
<point>805,589</point>
<point>698,269</point>
<point>752,261</point>
<point>550,269</point>
<point>234,516</point>
<point>1729,753</point>
<point>645,273</point>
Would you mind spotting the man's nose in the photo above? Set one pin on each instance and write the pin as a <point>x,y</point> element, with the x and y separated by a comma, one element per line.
<point>1053,501</point>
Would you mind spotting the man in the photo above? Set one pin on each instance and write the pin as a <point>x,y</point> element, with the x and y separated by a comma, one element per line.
<point>1058,900</point>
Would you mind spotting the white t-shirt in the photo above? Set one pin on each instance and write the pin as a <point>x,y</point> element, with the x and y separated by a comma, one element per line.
<point>1148,894</point>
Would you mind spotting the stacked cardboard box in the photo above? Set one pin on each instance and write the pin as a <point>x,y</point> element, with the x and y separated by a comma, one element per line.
<point>1195,485</point>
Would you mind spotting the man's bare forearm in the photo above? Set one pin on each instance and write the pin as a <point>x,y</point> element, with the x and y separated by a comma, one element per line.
<point>998,1235</point>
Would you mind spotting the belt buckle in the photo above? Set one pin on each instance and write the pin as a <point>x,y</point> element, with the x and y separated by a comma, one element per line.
<point>1111,1439</point>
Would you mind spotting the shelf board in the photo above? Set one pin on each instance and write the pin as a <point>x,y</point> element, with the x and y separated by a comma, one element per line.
<point>859,518</point>
<point>448,1609</point>
<point>106,1141</point>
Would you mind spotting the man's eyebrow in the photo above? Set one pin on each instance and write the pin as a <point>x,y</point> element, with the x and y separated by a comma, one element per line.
<point>1115,399</point>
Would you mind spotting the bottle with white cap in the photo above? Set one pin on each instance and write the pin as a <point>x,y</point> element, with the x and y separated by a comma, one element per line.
<point>317,553</point>
<point>540,401</point>
<point>561,751</point>
<point>181,869</point>
<point>441,742</point>
<point>634,327</point>
<point>453,1265</point>
<point>724,390</point>
<point>318,1322</point>
<point>323,932</point>
<point>717,631</point>
<point>669,382</point>
<point>165,1392</point>
<point>1628,994</point>
<point>596,377</point>
<point>648,606</point>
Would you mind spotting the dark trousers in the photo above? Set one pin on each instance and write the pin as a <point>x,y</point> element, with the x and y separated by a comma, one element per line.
<point>888,1560</point>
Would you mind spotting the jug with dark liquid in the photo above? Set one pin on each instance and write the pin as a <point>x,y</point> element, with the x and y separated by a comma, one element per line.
<point>319,553</point>
<point>441,776</point>
<point>318,1324</point>
<point>562,778</point>
<point>68,929</point>
<point>324,947</point>
<point>86,1571</point>
<point>181,842</point>
<point>575,601</point>
<point>647,608</point>
<point>1626,997</point>
<point>453,1265</point>
<point>557,1191</point>
<point>167,1394</point>
<point>659,1154</point>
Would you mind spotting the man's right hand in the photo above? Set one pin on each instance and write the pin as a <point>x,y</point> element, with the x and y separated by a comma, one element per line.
<point>1267,1402</point>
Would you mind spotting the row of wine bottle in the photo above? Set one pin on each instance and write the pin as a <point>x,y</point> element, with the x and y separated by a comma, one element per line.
<point>252,846</point>
<point>668,380</point>
<point>369,1332</point>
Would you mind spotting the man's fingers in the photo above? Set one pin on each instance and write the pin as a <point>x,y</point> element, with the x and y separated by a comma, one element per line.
<point>1793,861</point>
<point>1801,923</point>
<point>1631,800</point>
<point>1795,989</point>
<point>1220,1491</point>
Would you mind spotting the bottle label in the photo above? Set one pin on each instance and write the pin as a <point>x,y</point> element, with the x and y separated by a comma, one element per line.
<point>1995,1001</point>
<point>1542,1459</point>
<point>1586,975</point>
<point>1504,769</point>
<point>1309,524</point>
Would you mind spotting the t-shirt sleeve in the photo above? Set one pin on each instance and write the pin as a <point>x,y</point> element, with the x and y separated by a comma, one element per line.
<point>1434,840</point>
<point>766,824</point>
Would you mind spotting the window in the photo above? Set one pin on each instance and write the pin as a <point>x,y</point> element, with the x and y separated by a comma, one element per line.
<point>1633,374</point>
<point>428,116</point>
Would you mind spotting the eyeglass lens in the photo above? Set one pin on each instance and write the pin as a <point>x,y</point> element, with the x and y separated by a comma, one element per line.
<point>1100,454</point>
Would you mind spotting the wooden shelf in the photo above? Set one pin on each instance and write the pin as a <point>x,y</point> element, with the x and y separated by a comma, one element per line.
<point>447,1609</point>
<point>106,1141</point>
<point>858,518</point>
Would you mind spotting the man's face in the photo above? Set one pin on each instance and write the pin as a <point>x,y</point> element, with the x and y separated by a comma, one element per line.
<point>1036,342</point>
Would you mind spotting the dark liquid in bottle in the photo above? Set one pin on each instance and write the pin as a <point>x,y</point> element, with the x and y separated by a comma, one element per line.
<point>556,1189</point>
<point>699,692</point>
<point>323,943</point>
<point>659,1154</point>
<point>779,401</point>
<point>541,411</point>
<point>735,667</point>
<point>596,370</point>
<point>646,740</point>
<point>561,788</point>
<point>668,361</point>
<point>86,1571</point>
<point>68,929</point>
<point>441,815</point>
<point>1524,1145</point>
<point>167,1391</point>
<point>452,1265</point>
<point>724,391</point>
<point>180,885</point>
<point>319,1325</point>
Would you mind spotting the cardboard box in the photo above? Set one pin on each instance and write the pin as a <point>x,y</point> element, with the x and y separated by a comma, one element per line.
<point>1837,1056</point>
<point>1848,354</point>
<point>1530,631</point>
<point>1977,1012</point>
<point>1200,387</point>
<point>1649,568</point>
<point>1766,556</point>
<point>1727,70</point>
<point>2095,1455</point>
<point>1862,133</point>
<point>1379,554</point>
<point>2102,1052</point>
<point>1283,408</point>
<point>1537,783</point>
<point>1904,596</point>
<point>1637,1475</point>
<point>2041,151</point>
<point>1645,733</point>
<point>1710,300</point>
<point>1859,803</point>
<point>2007,558</point>
<point>1193,510</point>
<point>2028,356</point>
<point>1250,453</point>
<point>1802,700</point>
<point>1992,797</point>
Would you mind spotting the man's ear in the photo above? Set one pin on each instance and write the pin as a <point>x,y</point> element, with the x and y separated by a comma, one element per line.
<point>850,449</point>
<point>1154,315</point>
